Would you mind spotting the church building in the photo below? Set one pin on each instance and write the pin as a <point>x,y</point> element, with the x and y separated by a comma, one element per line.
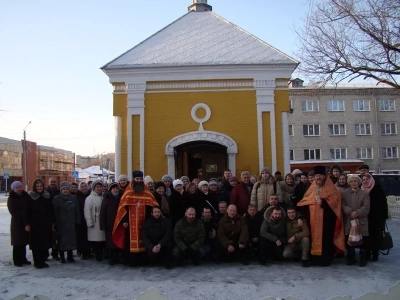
<point>200,96</point>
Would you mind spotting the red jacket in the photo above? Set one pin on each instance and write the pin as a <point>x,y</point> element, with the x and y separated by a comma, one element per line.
<point>240,197</point>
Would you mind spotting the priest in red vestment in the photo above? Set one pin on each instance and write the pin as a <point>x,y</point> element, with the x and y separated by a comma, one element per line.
<point>135,205</point>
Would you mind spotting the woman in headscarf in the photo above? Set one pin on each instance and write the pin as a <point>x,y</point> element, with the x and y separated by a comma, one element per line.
<point>38,221</point>
<point>377,216</point>
<point>341,183</point>
<point>108,212</point>
<point>19,237</point>
<point>83,243</point>
<point>161,198</point>
<point>168,184</point>
<point>67,217</point>
<point>287,189</point>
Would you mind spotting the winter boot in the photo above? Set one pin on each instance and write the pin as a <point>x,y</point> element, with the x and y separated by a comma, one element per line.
<point>70,257</point>
<point>351,256</point>
<point>375,255</point>
<point>111,259</point>
<point>62,257</point>
<point>368,254</point>
<point>305,263</point>
<point>363,258</point>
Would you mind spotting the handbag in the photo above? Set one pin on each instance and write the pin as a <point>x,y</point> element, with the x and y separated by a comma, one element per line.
<point>385,241</point>
<point>355,238</point>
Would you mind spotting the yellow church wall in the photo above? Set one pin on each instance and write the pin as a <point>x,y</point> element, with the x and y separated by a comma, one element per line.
<point>119,109</point>
<point>167,115</point>
<point>281,105</point>
<point>135,142</point>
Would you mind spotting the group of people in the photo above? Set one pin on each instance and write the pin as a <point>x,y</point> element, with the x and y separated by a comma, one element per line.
<point>303,216</point>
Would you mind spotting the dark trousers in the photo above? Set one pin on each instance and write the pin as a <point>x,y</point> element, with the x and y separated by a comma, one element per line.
<point>19,255</point>
<point>351,250</point>
<point>39,257</point>
<point>269,250</point>
<point>163,257</point>
<point>113,255</point>
<point>98,248</point>
<point>243,255</point>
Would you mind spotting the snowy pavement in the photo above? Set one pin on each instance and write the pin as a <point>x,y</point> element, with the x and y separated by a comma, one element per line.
<point>93,280</point>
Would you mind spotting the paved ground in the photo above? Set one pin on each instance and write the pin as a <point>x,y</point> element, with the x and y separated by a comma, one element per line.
<point>92,280</point>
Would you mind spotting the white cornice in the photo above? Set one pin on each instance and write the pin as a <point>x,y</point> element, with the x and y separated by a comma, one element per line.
<point>257,72</point>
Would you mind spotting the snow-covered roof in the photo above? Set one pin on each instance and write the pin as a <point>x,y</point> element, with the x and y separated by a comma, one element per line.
<point>96,170</point>
<point>200,38</point>
<point>84,174</point>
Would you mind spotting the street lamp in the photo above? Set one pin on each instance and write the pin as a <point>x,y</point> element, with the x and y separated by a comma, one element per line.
<point>25,163</point>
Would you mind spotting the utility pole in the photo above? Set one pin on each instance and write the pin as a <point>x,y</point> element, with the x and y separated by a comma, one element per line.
<point>25,159</point>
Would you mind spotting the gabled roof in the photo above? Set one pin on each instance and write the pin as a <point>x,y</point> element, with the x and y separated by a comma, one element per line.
<point>200,38</point>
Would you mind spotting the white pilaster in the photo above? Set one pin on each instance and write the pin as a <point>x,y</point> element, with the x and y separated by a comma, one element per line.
<point>129,160</point>
<point>118,125</point>
<point>265,103</point>
<point>136,92</point>
<point>232,163</point>
<point>286,142</point>
<point>171,165</point>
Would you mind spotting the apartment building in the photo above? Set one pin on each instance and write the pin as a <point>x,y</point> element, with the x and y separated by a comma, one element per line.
<point>349,124</point>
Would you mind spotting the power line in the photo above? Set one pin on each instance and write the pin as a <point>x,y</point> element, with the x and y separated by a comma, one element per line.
<point>75,138</point>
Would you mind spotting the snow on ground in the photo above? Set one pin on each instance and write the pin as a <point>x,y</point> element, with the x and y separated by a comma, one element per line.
<point>93,280</point>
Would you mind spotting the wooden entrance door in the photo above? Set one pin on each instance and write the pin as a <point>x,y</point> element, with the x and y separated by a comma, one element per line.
<point>201,160</point>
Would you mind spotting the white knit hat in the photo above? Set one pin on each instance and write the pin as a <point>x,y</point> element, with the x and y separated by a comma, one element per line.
<point>176,182</point>
<point>201,183</point>
<point>147,180</point>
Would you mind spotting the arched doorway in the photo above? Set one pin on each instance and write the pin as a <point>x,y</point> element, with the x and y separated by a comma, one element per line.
<point>203,160</point>
<point>199,138</point>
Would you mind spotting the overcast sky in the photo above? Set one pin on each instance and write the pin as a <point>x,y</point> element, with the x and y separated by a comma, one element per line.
<point>51,52</point>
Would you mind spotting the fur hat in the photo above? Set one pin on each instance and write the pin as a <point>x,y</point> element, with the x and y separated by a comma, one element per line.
<point>320,170</point>
<point>366,167</point>
<point>148,179</point>
<point>185,178</point>
<point>64,185</point>
<point>201,183</point>
<point>97,182</point>
<point>177,182</point>
<point>112,185</point>
<point>265,170</point>
<point>233,178</point>
<point>311,173</point>
<point>352,177</point>
<point>212,182</point>
<point>16,184</point>
<point>159,184</point>
<point>123,176</point>
<point>295,171</point>
<point>167,177</point>
<point>137,173</point>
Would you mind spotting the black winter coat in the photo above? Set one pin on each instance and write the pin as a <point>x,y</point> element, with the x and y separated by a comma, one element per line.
<point>178,203</point>
<point>202,200</point>
<point>108,212</point>
<point>299,191</point>
<point>254,225</point>
<point>157,231</point>
<point>53,192</point>
<point>38,214</point>
<point>15,204</point>
<point>82,234</point>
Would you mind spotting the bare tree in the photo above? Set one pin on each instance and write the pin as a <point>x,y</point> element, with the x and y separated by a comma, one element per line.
<point>347,39</point>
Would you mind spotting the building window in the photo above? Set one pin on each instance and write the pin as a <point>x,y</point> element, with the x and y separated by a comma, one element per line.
<point>337,129</point>
<point>291,104</point>
<point>388,128</point>
<point>338,153</point>
<point>364,153</point>
<point>291,130</point>
<point>311,130</point>
<point>363,129</point>
<point>309,105</point>
<point>386,105</point>
<point>312,154</point>
<point>335,105</point>
<point>389,152</point>
<point>361,105</point>
<point>291,154</point>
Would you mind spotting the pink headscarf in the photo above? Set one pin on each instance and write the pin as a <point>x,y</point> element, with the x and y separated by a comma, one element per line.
<point>370,186</point>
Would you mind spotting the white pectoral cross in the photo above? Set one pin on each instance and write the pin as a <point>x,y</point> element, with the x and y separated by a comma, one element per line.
<point>138,204</point>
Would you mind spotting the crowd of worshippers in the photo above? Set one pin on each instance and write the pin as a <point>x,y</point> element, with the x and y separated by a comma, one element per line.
<point>303,217</point>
